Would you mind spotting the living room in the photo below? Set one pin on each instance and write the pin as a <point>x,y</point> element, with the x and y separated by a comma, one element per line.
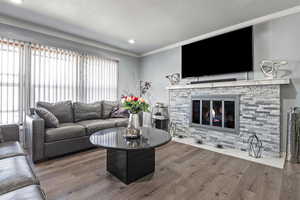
<point>149,99</point>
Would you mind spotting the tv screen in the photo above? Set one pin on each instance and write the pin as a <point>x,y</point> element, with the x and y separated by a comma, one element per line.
<point>227,53</point>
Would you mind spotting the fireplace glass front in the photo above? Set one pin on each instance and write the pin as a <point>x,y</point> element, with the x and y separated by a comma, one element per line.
<point>205,112</point>
<point>216,112</point>
<point>229,114</point>
<point>196,111</point>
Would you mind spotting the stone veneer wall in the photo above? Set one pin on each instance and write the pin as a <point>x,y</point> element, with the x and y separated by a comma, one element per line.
<point>259,113</point>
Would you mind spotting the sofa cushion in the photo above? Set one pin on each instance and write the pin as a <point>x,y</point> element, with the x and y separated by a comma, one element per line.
<point>119,112</point>
<point>1,136</point>
<point>10,132</point>
<point>62,110</point>
<point>121,122</point>
<point>64,131</point>
<point>93,126</point>
<point>10,149</point>
<point>50,120</point>
<point>32,192</point>
<point>107,108</point>
<point>86,111</point>
<point>15,173</point>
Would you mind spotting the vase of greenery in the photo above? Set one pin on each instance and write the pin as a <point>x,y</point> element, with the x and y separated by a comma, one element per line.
<point>134,105</point>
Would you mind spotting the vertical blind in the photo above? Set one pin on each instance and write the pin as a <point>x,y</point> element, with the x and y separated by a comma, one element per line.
<point>33,72</point>
<point>10,80</point>
<point>100,78</point>
<point>54,74</point>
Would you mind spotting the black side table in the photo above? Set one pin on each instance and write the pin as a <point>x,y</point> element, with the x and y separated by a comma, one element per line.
<point>160,122</point>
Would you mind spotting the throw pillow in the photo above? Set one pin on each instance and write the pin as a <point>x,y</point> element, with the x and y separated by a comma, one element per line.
<point>86,111</point>
<point>119,112</point>
<point>1,136</point>
<point>107,108</point>
<point>50,120</point>
<point>62,110</point>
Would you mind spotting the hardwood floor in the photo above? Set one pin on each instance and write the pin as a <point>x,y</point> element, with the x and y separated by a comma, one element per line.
<point>182,172</point>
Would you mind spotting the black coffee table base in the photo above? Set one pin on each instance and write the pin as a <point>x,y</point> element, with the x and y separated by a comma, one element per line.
<point>130,165</point>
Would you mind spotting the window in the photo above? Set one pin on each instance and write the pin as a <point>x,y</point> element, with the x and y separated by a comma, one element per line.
<point>58,75</point>
<point>100,79</point>
<point>32,72</point>
<point>54,74</point>
<point>10,71</point>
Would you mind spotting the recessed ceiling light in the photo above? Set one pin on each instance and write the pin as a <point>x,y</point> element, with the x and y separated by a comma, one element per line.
<point>131,41</point>
<point>17,1</point>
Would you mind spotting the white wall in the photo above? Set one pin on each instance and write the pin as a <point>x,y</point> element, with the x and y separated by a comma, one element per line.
<point>277,39</point>
<point>128,66</point>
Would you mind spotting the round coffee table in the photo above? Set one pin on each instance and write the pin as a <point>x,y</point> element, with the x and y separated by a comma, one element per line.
<point>130,159</point>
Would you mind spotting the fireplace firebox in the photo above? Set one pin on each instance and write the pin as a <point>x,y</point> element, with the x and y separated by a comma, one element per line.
<point>216,112</point>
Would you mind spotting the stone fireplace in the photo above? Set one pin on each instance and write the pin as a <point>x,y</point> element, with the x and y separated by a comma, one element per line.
<point>227,113</point>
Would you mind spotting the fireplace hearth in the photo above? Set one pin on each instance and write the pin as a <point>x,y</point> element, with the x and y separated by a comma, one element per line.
<point>216,112</point>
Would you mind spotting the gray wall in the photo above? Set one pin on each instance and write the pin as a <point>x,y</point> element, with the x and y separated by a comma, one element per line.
<point>155,67</point>
<point>280,39</point>
<point>276,39</point>
<point>128,66</point>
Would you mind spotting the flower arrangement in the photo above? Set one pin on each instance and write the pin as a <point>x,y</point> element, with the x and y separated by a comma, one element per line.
<point>135,104</point>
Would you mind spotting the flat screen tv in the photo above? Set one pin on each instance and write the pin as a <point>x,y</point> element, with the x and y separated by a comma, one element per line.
<point>223,54</point>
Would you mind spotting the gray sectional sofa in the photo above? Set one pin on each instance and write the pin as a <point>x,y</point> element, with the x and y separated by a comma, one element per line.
<point>17,180</point>
<point>77,121</point>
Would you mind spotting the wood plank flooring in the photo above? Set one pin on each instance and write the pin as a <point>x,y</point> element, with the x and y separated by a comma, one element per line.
<point>182,172</point>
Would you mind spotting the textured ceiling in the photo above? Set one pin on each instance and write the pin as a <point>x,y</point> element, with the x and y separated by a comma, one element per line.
<point>152,23</point>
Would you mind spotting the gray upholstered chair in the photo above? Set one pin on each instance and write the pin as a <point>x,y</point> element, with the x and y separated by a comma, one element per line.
<point>17,179</point>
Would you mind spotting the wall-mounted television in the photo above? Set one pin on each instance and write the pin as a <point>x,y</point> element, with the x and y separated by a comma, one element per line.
<point>223,54</point>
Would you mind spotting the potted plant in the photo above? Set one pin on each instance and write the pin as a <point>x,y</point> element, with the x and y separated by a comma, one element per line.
<point>134,105</point>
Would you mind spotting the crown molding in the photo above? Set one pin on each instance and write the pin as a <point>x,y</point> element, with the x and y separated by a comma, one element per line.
<point>59,34</point>
<point>252,22</point>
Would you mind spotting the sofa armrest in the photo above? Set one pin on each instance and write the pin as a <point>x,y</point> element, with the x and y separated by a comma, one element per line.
<point>35,137</point>
<point>10,132</point>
